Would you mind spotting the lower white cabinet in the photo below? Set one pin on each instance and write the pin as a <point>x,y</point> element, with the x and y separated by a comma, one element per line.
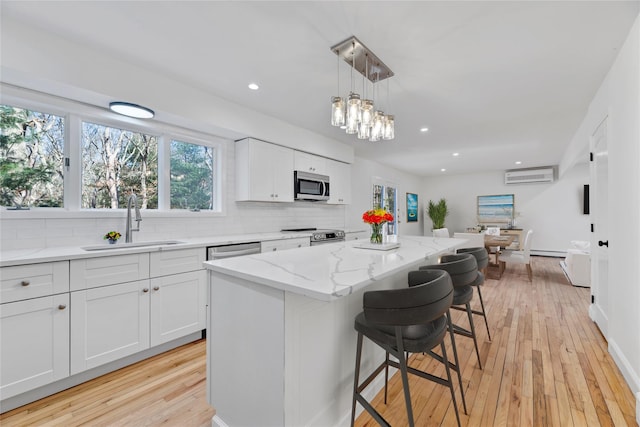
<point>283,244</point>
<point>178,305</point>
<point>108,323</point>
<point>357,235</point>
<point>34,343</point>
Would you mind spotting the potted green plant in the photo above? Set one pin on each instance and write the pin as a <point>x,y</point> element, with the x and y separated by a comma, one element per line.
<point>438,212</point>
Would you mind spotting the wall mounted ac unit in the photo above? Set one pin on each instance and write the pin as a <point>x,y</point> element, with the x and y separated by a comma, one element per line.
<point>525,176</point>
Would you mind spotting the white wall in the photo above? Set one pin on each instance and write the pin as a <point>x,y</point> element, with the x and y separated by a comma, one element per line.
<point>553,211</point>
<point>619,99</point>
<point>363,174</point>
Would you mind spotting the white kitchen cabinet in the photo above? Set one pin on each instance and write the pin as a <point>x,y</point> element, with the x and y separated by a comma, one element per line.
<point>178,305</point>
<point>357,235</point>
<point>176,261</point>
<point>310,163</point>
<point>108,270</point>
<point>178,294</point>
<point>340,182</point>
<point>108,323</point>
<point>283,244</point>
<point>264,171</point>
<point>33,281</point>
<point>34,343</point>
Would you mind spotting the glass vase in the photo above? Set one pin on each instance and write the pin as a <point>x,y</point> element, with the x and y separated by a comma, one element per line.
<point>376,234</point>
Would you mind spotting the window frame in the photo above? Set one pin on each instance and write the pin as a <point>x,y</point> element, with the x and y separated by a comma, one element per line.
<point>75,113</point>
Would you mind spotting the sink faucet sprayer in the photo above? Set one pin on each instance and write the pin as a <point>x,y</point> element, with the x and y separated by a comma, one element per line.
<point>132,201</point>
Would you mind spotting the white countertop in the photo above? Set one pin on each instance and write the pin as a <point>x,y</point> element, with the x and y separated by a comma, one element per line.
<point>327,272</point>
<point>62,253</point>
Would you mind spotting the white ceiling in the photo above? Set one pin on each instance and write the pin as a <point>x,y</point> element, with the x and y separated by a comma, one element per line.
<point>495,81</point>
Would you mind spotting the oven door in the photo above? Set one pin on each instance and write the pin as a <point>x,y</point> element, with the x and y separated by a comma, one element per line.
<point>310,186</point>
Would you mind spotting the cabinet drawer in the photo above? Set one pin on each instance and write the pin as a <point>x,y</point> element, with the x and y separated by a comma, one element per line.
<point>279,245</point>
<point>33,281</point>
<point>164,263</point>
<point>108,270</point>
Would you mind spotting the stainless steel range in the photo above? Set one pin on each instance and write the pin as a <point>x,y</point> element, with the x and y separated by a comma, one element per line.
<point>319,237</point>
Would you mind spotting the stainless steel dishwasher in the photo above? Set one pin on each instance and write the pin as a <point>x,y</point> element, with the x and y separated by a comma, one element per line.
<point>229,251</point>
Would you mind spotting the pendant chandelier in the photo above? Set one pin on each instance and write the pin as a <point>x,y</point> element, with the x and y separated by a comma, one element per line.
<point>362,117</point>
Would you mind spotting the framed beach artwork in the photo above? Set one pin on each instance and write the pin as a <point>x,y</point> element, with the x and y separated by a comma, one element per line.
<point>495,209</point>
<point>412,207</point>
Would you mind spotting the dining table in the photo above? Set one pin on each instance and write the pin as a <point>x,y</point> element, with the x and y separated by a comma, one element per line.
<point>498,242</point>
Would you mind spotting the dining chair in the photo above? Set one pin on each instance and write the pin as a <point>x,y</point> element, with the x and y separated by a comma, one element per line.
<point>441,232</point>
<point>519,257</point>
<point>493,231</point>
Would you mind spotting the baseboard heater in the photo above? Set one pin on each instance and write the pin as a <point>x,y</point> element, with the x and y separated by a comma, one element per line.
<point>555,254</point>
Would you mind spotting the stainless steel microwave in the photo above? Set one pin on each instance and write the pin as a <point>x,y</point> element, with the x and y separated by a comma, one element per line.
<point>310,186</point>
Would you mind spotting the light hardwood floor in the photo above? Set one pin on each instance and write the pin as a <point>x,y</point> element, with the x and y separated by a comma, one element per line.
<point>547,365</point>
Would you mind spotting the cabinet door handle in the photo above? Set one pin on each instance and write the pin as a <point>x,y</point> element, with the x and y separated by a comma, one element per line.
<point>62,307</point>
<point>605,243</point>
<point>156,288</point>
<point>25,283</point>
<point>145,290</point>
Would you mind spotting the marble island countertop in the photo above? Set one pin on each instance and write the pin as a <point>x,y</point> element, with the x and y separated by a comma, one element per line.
<point>328,272</point>
<point>62,253</point>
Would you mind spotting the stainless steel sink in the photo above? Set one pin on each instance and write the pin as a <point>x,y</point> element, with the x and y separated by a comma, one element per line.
<point>131,245</point>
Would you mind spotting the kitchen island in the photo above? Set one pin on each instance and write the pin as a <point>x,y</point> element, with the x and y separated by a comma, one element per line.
<point>280,337</point>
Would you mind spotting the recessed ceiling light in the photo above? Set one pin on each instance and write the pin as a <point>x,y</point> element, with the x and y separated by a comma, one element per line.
<point>518,162</point>
<point>131,110</point>
<point>253,86</point>
<point>443,170</point>
<point>455,154</point>
<point>424,129</point>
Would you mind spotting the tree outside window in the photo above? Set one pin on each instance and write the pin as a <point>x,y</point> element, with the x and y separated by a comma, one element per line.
<point>192,176</point>
<point>31,158</point>
<point>116,163</point>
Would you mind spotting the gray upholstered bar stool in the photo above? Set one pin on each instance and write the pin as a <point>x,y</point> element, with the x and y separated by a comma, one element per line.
<point>405,320</point>
<point>482,258</point>
<point>463,270</point>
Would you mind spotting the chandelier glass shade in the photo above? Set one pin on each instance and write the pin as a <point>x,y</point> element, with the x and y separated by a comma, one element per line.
<point>355,115</point>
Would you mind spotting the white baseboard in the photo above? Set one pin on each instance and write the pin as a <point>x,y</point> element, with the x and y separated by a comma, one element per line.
<point>216,421</point>
<point>630,375</point>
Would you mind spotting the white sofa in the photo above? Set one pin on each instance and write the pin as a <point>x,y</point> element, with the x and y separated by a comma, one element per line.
<point>577,264</point>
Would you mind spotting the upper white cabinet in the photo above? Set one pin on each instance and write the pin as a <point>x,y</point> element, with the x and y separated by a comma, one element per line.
<point>340,182</point>
<point>310,163</point>
<point>264,172</point>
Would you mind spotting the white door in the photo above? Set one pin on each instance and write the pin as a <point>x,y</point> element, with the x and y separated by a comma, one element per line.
<point>599,310</point>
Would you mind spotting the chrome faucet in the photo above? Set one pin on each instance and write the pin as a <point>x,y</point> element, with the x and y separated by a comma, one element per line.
<point>132,201</point>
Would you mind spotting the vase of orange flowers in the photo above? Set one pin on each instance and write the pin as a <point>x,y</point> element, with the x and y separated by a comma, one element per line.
<point>376,218</point>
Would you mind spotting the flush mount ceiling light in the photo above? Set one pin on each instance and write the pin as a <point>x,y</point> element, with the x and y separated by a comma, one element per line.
<point>253,86</point>
<point>131,110</point>
<point>360,116</point>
